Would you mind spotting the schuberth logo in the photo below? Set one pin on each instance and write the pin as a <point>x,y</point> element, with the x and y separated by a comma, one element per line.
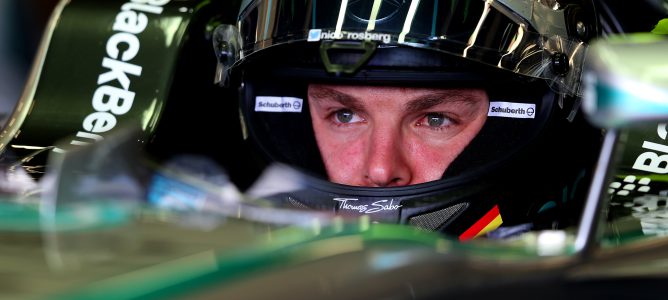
<point>512,110</point>
<point>278,104</point>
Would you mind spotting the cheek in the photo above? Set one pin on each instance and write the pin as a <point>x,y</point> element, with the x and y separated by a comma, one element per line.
<point>341,154</point>
<point>431,157</point>
<point>430,161</point>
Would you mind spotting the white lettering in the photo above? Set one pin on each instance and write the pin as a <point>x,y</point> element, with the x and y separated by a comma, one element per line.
<point>655,147</point>
<point>110,101</point>
<point>380,206</point>
<point>147,6</point>
<point>661,131</point>
<point>86,135</point>
<point>119,101</point>
<point>651,161</point>
<point>117,71</point>
<point>278,104</point>
<point>377,206</point>
<point>512,110</point>
<point>131,22</point>
<point>99,121</point>
<point>152,2</point>
<point>123,37</point>
<point>359,36</point>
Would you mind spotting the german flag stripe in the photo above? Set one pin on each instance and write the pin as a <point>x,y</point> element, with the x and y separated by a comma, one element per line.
<point>490,221</point>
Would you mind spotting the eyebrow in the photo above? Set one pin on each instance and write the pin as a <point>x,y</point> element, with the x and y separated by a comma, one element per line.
<point>428,101</point>
<point>420,103</point>
<point>346,100</point>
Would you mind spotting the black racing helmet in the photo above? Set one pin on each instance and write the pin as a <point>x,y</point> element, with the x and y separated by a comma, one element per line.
<point>529,164</point>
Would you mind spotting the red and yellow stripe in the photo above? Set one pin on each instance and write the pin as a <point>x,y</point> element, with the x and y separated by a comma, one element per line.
<point>490,221</point>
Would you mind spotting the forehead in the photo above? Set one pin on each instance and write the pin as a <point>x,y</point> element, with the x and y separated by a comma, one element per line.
<point>362,92</point>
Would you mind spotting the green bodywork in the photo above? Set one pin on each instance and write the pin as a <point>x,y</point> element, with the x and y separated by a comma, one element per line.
<point>87,47</point>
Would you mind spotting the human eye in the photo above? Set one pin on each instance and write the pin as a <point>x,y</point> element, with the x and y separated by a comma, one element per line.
<point>436,121</point>
<point>345,116</point>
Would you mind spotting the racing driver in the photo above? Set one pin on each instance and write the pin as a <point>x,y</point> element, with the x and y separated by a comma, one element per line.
<point>458,116</point>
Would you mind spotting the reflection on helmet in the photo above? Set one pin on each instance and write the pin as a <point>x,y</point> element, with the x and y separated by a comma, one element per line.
<point>528,163</point>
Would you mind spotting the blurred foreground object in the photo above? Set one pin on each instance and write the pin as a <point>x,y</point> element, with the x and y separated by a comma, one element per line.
<point>626,80</point>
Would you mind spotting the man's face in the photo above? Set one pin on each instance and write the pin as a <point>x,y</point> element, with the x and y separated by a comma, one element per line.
<point>392,136</point>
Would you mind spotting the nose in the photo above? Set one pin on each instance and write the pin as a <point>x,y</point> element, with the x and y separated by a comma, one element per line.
<point>386,163</point>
